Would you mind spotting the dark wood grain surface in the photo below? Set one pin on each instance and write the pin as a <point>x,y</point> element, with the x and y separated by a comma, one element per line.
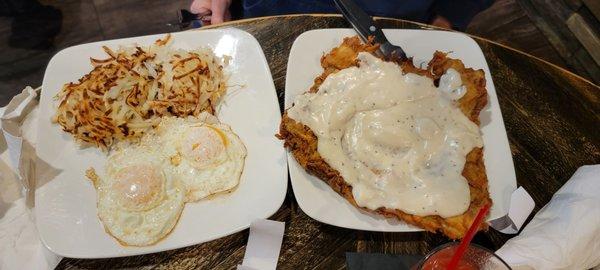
<point>506,22</point>
<point>551,115</point>
<point>85,21</point>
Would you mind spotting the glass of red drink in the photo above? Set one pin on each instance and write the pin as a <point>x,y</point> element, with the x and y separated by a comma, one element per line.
<point>475,258</point>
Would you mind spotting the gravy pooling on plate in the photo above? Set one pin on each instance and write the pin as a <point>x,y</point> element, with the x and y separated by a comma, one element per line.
<point>399,140</point>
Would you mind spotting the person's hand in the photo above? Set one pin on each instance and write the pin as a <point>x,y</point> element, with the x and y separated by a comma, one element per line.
<point>442,22</point>
<point>219,9</point>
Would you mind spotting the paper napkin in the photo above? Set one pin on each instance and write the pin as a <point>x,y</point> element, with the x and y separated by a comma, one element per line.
<point>264,245</point>
<point>20,246</point>
<point>565,234</point>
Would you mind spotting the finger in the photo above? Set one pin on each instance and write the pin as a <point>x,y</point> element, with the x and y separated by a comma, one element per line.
<point>206,21</point>
<point>441,22</point>
<point>219,7</point>
<point>200,6</point>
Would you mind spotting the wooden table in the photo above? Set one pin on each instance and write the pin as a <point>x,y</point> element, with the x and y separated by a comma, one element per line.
<point>552,118</point>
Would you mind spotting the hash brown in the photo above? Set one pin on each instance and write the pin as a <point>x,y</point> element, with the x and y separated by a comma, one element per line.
<point>125,94</point>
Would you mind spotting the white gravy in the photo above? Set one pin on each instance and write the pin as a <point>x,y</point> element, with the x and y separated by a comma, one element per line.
<point>397,139</point>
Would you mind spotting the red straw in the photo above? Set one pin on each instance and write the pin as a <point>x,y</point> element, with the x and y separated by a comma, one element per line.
<point>464,243</point>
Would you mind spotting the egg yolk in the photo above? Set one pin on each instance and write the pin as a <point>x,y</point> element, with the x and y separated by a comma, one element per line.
<point>203,146</point>
<point>138,187</point>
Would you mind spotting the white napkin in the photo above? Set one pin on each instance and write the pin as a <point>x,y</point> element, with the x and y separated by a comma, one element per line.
<point>20,246</point>
<point>521,206</point>
<point>264,245</point>
<point>565,234</point>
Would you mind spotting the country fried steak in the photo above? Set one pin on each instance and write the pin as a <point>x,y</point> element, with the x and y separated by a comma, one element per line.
<point>302,142</point>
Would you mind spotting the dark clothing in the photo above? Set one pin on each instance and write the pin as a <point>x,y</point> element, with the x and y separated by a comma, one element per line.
<point>458,12</point>
<point>33,25</point>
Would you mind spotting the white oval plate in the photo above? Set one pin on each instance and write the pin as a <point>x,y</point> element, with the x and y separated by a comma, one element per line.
<point>318,200</point>
<point>66,214</point>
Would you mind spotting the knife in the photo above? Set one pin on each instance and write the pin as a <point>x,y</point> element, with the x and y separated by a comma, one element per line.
<point>365,26</point>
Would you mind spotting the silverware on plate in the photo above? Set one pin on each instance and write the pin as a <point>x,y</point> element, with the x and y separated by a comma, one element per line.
<point>365,26</point>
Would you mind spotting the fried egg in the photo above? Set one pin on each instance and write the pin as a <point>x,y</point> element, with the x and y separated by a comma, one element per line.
<point>145,185</point>
<point>207,156</point>
<point>139,200</point>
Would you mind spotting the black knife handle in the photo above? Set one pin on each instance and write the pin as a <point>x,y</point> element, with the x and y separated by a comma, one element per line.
<point>362,22</point>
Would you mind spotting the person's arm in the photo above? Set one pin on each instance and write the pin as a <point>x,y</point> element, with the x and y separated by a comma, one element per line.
<point>458,13</point>
<point>218,8</point>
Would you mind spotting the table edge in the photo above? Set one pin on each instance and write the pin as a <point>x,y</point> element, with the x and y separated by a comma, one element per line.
<point>561,69</point>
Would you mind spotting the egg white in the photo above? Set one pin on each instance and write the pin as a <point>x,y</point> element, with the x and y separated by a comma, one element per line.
<point>185,160</point>
<point>132,224</point>
<point>217,173</point>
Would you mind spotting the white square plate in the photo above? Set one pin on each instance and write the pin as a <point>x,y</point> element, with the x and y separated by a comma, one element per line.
<point>66,201</point>
<point>318,200</point>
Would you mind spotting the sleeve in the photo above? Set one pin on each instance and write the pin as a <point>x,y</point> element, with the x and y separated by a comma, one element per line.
<point>460,12</point>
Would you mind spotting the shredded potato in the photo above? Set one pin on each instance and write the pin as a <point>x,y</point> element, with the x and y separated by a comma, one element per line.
<point>126,94</point>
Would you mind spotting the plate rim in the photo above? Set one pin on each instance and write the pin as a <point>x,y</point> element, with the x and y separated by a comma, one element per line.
<point>133,251</point>
<point>292,161</point>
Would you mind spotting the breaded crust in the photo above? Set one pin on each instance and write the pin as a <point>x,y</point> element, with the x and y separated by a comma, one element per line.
<point>302,142</point>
